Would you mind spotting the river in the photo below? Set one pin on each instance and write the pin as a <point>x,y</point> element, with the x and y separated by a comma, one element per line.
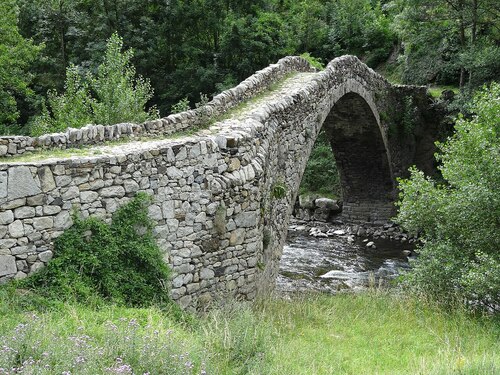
<point>338,262</point>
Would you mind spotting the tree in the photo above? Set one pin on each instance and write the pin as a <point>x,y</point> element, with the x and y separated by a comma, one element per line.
<point>16,56</point>
<point>441,37</point>
<point>71,109</point>
<point>118,96</point>
<point>360,27</point>
<point>458,220</point>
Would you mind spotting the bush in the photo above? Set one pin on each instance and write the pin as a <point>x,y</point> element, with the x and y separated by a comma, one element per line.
<point>458,219</point>
<point>181,106</point>
<point>119,261</point>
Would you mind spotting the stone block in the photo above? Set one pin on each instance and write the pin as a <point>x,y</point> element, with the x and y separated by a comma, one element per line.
<point>46,177</point>
<point>237,237</point>
<point>63,221</point>
<point>88,196</point>
<point>206,274</point>
<point>247,219</point>
<point>112,192</point>
<point>3,184</point>
<point>41,223</point>
<point>7,265</point>
<point>16,229</point>
<point>6,217</point>
<point>21,183</point>
<point>24,212</point>
<point>45,256</point>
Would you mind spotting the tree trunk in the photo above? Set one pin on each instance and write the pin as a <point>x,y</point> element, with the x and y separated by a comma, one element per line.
<point>474,30</point>
<point>62,31</point>
<point>462,41</point>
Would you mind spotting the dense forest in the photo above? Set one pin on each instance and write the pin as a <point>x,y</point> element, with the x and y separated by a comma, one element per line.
<point>189,48</point>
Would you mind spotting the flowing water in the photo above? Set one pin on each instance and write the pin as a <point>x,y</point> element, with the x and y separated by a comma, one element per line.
<point>337,263</point>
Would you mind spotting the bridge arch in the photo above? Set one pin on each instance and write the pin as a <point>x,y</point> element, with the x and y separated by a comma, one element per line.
<point>360,148</point>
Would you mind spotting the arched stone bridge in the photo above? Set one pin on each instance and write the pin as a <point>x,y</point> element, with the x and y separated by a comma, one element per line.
<point>223,195</point>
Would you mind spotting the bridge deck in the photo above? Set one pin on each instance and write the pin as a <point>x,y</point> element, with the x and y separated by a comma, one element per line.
<point>287,87</point>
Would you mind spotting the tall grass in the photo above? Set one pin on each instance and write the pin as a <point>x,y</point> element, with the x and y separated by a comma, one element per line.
<point>369,333</point>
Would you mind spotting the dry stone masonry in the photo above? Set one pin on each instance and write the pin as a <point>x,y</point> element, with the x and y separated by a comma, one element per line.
<point>222,197</point>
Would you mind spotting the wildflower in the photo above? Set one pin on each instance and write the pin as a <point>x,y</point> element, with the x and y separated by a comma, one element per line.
<point>80,359</point>
<point>123,369</point>
<point>133,323</point>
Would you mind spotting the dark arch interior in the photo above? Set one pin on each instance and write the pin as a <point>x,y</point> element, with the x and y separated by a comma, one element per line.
<point>360,154</point>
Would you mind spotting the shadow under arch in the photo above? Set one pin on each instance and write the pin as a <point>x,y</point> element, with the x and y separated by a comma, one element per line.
<point>360,149</point>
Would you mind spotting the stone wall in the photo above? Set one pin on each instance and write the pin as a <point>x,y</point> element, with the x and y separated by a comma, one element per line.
<point>219,218</point>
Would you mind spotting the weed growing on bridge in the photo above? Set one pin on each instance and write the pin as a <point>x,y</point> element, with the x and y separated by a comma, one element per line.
<point>314,61</point>
<point>278,190</point>
<point>119,261</point>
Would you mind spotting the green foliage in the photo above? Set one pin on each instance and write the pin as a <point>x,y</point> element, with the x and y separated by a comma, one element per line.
<point>71,109</point>
<point>114,95</point>
<point>119,262</point>
<point>16,56</point>
<point>448,41</point>
<point>321,175</point>
<point>278,190</point>
<point>181,106</point>
<point>120,96</point>
<point>314,61</point>
<point>187,47</point>
<point>458,220</point>
<point>360,27</point>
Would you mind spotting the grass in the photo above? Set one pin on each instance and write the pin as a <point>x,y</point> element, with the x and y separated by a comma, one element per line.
<point>90,150</point>
<point>368,333</point>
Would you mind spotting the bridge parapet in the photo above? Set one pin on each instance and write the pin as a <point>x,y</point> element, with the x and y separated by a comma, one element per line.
<point>98,134</point>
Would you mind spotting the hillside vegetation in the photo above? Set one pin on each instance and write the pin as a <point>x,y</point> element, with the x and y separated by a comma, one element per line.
<point>61,64</point>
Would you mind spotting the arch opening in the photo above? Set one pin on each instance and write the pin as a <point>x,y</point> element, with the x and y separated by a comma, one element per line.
<point>367,185</point>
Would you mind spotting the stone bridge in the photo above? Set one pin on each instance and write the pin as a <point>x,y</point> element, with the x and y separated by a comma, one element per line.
<point>224,177</point>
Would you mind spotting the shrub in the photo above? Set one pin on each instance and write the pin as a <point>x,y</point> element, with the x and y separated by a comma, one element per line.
<point>119,261</point>
<point>71,109</point>
<point>314,61</point>
<point>181,106</point>
<point>458,219</point>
